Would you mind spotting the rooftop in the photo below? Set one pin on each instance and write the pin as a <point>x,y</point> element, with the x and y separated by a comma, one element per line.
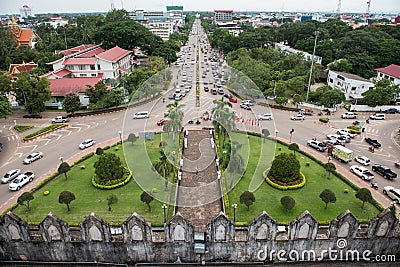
<point>392,70</point>
<point>114,54</point>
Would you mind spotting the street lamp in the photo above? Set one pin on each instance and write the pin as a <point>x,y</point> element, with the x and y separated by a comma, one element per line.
<point>276,134</point>
<point>274,88</point>
<point>61,159</point>
<point>291,132</point>
<point>234,206</point>
<point>164,206</point>
<point>312,63</point>
<point>120,136</point>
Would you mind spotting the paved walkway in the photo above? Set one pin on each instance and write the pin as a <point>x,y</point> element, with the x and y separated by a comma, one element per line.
<point>199,192</point>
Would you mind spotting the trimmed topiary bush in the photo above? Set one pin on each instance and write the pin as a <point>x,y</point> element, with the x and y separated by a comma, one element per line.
<point>285,168</point>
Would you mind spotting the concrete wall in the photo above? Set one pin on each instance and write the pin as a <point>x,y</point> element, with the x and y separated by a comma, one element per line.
<point>136,241</point>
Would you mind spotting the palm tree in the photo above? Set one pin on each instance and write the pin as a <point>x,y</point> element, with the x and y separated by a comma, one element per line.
<point>222,118</point>
<point>164,167</point>
<point>236,163</point>
<point>175,115</point>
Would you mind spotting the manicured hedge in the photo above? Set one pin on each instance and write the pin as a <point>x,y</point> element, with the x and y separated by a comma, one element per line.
<point>118,183</point>
<point>45,130</point>
<point>22,128</point>
<point>85,157</point>
<point>282,187</point>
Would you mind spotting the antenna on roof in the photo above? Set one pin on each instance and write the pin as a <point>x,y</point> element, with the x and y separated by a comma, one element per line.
<point>122,4</point>
<point>112,5</point>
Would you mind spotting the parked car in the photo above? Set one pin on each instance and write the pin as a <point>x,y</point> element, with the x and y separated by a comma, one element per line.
<point>59,119</point>
<point>362,160</point>
<point>392,111</point>
<point>32,157</point>
<point>206,89</point>
<point>377,116</point>
<point>245,106</point>
<point>317,145</point>
<point>337,139</point>
<point>86,143</point>
<point>141,115</point>
<point>21,180</point>
<point>373,142</point>
<point>248,102</point>
<point>171,96</point>
<point>297,117</point>
<point>349,115</point>
<point>10,175</point>
<point>228,95</point>
<point>220,91</point>
<point>362,172</point>
<point>232,100</point>
<point>265,116</point>
<point>392,193</point>
<point>385,171</point>
<point>162,122</point>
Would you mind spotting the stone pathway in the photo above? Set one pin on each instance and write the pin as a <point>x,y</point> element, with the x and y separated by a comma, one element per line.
<point>199,192</point>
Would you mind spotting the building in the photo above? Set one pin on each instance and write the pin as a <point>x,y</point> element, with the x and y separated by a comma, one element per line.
<point>23,37</point>
<point>86,65</point>
<point>353,86</point>
<point>26,11</point>
<point>16,69</point>
<point>222,15</point>
<point>391,72</point>
<point>290,50</point>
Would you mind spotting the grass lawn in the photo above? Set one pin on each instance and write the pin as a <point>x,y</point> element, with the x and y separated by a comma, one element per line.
<point>307,198</point>
<point>89,199</point>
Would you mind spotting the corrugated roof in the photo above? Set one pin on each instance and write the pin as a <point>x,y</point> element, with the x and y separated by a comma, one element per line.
<point>62,73</point>
<point>114,54</point>
<point>392,70</point>
<point>62,87</point>
<point>92,53</point>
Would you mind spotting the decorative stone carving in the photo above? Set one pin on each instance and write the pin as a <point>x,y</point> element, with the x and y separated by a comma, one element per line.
<point>179,233</point>
<point>263,227</point>
<point>383,225</point>
<point>221,229</point>
<point>220,233</point>
<point>136,234</point>
<point>135,229</point>
<point>53,228</point>
<point>95,234</point>
<point>303,227</point>
<point>14,232</point>
<point>179,229</point>
<point>94,228</point>
<point>15,228</point>
<point>344,226</point>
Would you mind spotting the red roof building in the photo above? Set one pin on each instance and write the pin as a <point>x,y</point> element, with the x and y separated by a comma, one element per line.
<point>114,54</point>
<point>16,69</point>
<point>62,87</point>
<point>391,72</point>
<point>24,37</point>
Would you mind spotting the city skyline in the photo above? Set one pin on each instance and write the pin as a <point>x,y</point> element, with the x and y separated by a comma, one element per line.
<point>75,6</point>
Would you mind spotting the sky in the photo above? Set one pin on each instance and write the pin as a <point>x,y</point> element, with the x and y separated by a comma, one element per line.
<point>70,6</point>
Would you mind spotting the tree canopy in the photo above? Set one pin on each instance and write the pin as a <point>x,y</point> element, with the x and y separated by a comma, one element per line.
<point>109,167</point>
<point>285,167</point>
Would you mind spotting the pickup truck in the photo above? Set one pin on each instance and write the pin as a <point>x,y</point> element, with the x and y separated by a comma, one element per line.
<point>59,119</point>
<point>21,180</point>
<point>386,172</point>
<point>373,142</point>
<point>362,172</point>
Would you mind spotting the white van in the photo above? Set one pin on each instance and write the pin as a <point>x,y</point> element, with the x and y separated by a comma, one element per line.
<point>141,115</point>
<point>377,116</point>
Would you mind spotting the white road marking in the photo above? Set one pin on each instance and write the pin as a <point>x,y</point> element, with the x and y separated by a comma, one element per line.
<point>34,147</point>
<point>69,132</point>
<point>58,136</point>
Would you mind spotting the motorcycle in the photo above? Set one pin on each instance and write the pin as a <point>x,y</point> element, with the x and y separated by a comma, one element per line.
<point>371,149</point>
<point>374,185</point>
<point>356,123</point>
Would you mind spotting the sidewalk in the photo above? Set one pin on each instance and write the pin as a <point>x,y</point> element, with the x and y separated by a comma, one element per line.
<point>383,200</point>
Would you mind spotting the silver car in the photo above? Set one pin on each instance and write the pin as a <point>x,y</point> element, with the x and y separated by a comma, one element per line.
<point>32,157</point>
<point>10,175</point>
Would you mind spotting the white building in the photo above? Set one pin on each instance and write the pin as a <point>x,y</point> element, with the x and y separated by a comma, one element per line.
<point>391,72</point>
<point>353,86</point>
<point>290,50</point>
<point>26,11</point>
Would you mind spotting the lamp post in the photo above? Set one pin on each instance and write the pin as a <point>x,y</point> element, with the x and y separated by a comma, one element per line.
<point>291,132</point>
<point>120,136</point>
<point>274,88</point>
<point>276,134</point>
<point>164,206</point>
<point>329,159</point>
<point>234,206</point>
<point>312,63</point>
<point>61,159</point>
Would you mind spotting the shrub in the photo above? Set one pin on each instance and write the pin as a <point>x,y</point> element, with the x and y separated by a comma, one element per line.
<point>106,148</point>
<point>85,157</point>
<point>83,167</point>
<point>285,168</point>
<point>45,130</point>
<point>22,128</point>
<point>324,120</point>
<point>307,164</point>
<point>281,186</point>
<point>154,190</point>
<point>45,193</point>
<point>346,191</point>
<point>99,151</point>
<point>111,184</point>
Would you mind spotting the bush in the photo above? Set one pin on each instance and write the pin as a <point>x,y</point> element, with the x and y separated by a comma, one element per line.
<point>85,157</point>
<point>307,164</point>
<point>111,184</point>
<point>45,193</point>
<point>33,116</point>
<point>275,184</point>
<point>324,120</point>
<point>285,168</point>
<point>45,130</point>
<point>83,167</point>
<point>346,191</point>
<point>22,128</point>
<point>154,190</point>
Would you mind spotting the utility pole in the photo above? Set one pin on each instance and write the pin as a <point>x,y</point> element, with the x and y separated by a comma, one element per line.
<point>312,63</point>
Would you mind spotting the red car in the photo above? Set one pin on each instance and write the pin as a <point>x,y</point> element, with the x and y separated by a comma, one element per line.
<point>232,99</point>
<point>162,122</point>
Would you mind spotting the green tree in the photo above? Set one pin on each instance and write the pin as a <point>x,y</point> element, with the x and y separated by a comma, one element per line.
<point>328,196</point>
<point>66,198</point>
<point>112,199</point>
<point>265,133</point>
<point>332,97</point>
<point>236,163</point>
<point>281,100</point>
<point>329,167</point>
<point>364,195</point>
<point>247,198</point>
<point>109,167</point>
<point>99,151</point>
<point>288,202</point>
<point>64,168</point>
<point>71,103</point>
<point>175,115</point>
<point>5,82</point>
<point>97,92</point>
<point>5,107</point>
<point>382,94</point>
<point>164,167</point>
<point>132,138</point>
<point>112,98</point>
<point>294,147</point>
<point>147,198</point>
<point>342,65</point>
<point>285,167</point>
<point>25,197</point>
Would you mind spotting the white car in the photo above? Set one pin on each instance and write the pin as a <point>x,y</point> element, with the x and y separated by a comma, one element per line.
<point>10,175</point>
<point>377,116</point>
<point>32,157</point>
<point>265,116</point>
<point>393,193</point>
<point>142,114</point>
<point>21,180</point>
<point>297,117</point>
<point>346,132</point>
<point>362,172</point>
<point>362,160</point>
<point>87,143</point>
<point>349,115</point>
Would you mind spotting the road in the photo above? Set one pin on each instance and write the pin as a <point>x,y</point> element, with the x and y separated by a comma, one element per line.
<point>63,144</point>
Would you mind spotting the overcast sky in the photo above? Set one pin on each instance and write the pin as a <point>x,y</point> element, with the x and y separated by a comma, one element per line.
<point>54,6</point>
